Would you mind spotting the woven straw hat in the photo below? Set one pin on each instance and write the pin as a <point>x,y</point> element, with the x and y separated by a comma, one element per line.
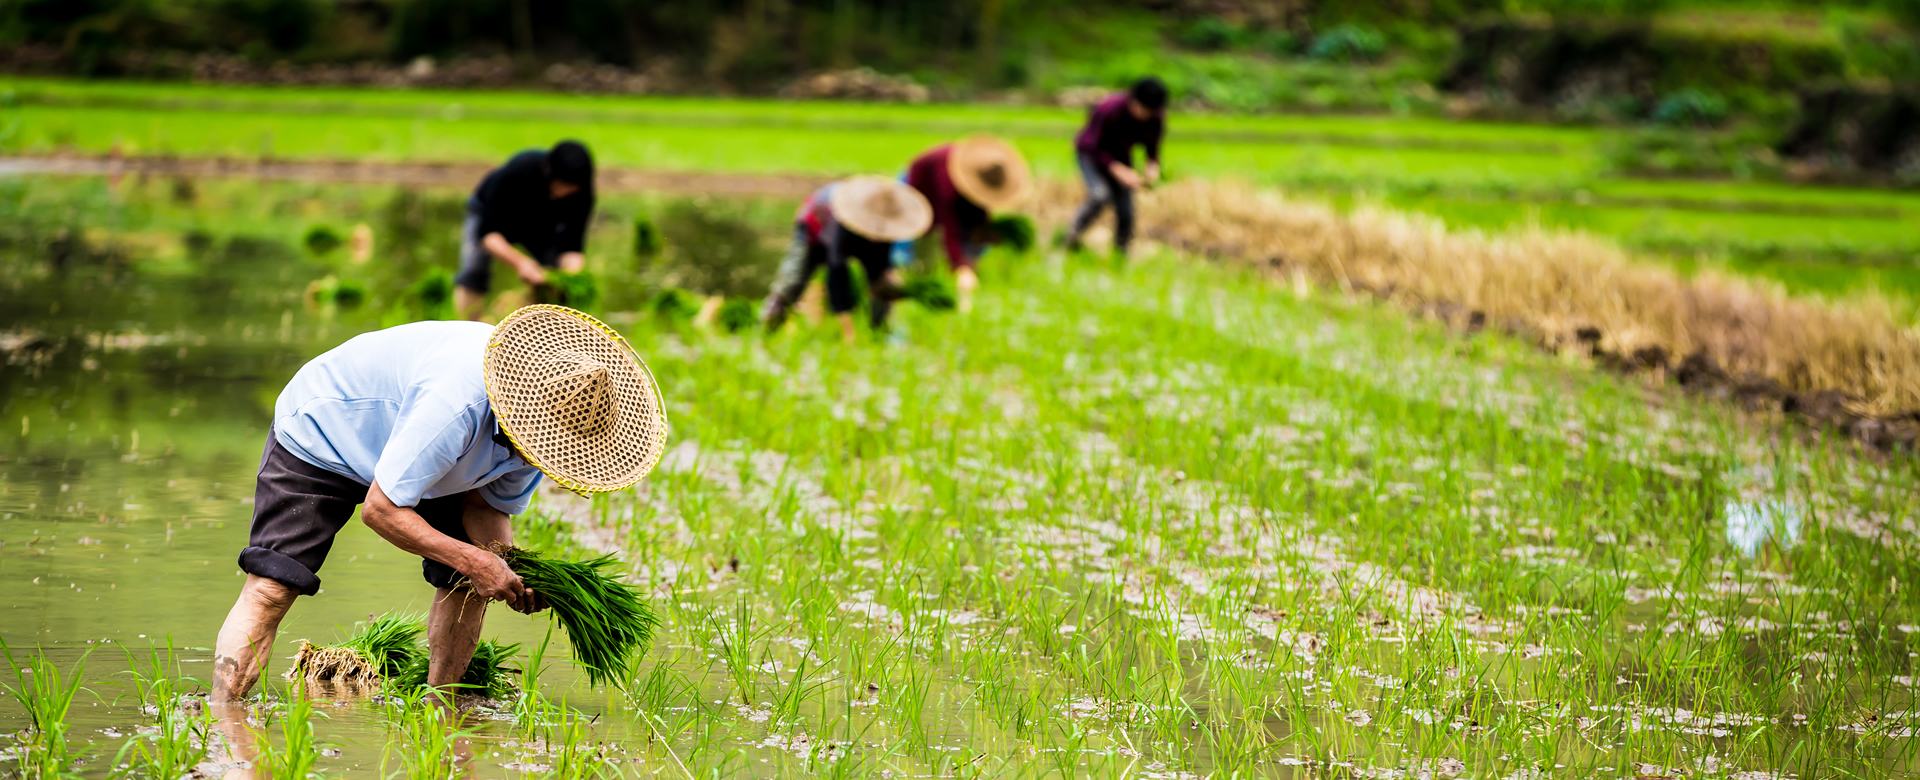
<point>574,397</point>
<point>880,209</point>
<point>990,172</point>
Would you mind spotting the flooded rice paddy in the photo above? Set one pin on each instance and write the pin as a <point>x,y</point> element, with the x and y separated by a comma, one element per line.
<point>1166,522</point>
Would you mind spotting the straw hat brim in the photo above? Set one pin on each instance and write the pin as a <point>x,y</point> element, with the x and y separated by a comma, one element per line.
<point>990,172</point>
<point>519,364</point>
<point>880,209</point>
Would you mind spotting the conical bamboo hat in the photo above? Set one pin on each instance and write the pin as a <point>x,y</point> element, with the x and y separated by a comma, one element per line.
<point>880,209</point>
<point>575,399</point>
<point>990,172</point>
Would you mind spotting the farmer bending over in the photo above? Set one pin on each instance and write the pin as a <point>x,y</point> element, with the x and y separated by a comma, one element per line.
<point>1105,147</point>
<point>540,201</point>
<point>441,430</point>
<point>965,181</point>
<point>851,220</point>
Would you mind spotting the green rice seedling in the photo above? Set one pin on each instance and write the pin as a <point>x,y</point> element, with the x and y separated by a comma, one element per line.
<point>737,315</point>
<point>428,741</point>
<point>1014,231</point>
<point>322,240</point>
<point>46,696</point>
<point>431,296</point>
<point>488,673</point>
<point>675,305</point>
<point>380,648</point>
<point>646,237</point>
<point>606,621</point>
<point>578,289</point>
<point>573,755</point>
<point>531,709</point>
<point>297,752</point>
<point>330,290</point>
<point>179,737</point>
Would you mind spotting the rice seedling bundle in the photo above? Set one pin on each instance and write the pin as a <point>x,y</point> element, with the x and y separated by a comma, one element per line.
<point>605,618</point>
<point>487,674</point>
<point>738,314</point>
<point>934,292</point>
<point>383,647</point>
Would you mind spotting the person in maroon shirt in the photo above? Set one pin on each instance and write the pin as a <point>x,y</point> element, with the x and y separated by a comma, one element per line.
<point>856,220</point>
<point>965,182</point>
<point>1121,121</point>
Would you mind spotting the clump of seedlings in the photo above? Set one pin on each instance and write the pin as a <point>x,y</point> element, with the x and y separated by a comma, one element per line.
<point>487,674</point>
<point>381,648</point>
<point>605,618</point>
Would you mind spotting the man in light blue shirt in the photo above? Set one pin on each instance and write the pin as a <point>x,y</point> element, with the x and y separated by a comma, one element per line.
<point>441,430</point>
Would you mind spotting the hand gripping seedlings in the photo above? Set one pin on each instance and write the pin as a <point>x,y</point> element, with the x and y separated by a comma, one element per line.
<point>605,618</point>
<point>383,647</point>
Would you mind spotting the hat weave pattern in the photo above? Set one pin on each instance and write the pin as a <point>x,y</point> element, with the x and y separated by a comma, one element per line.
<point>575,399</point>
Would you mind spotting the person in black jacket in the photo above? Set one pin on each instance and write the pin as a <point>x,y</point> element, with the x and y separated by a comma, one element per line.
<point>531,214</point>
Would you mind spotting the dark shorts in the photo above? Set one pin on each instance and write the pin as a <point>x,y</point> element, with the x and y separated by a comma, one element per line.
<point>476,263</point>
<point>299,507</point>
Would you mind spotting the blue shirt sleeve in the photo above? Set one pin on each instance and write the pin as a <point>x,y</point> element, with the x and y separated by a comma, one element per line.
<point>428,438</point>
<point>513,490</point>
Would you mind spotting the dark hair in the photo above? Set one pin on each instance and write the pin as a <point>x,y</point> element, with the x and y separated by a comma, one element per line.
<point>1151,92</point>
<point>569,161</point>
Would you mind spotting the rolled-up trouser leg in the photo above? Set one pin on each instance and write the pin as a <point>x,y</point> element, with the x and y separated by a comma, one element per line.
<point>1122,218</point>
<point>790,281</point>
<point>881,290</point>
<point>1100,188</point>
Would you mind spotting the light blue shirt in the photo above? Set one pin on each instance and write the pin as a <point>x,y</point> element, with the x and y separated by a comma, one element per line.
<point>406,407</point>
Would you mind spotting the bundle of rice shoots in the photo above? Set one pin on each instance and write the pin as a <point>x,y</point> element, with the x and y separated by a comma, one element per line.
<point>381,648</point>
<point>933,291</point>
<point>605,618</point>
<point>487,674</point>
<point>1014,230</point>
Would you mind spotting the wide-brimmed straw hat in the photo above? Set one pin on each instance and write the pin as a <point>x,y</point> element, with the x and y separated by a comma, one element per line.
<point>880,209</point>
<point>989,172</point>
<point>574,397</point>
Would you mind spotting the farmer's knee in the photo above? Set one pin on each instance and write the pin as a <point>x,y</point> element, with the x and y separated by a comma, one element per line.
<point>267,594</point>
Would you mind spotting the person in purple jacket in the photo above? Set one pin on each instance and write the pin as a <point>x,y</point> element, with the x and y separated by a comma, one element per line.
<point>1121,121</point>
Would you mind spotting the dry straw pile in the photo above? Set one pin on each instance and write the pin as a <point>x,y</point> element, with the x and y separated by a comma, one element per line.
<point>1566,289</point>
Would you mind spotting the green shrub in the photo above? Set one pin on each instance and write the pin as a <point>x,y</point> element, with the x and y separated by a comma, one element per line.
<point>1211,33</point>
<point>1691,107</point>
<point>1348,42</point>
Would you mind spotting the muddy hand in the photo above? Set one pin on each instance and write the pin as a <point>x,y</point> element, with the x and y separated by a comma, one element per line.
<point>493,580</point>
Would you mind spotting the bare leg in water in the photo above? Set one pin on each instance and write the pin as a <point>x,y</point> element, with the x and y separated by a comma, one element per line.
<point>453,630</point>
<point>240,654</point>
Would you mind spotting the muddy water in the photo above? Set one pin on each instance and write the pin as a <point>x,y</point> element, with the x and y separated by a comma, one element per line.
<point>145,330</point>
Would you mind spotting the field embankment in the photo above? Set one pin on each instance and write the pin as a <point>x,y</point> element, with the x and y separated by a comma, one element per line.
<point>1852,365</point>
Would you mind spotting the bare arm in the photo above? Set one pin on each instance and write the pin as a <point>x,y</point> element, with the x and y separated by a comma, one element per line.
<point>408,531</point>
<point>572,262</point>
<point>529,271</point>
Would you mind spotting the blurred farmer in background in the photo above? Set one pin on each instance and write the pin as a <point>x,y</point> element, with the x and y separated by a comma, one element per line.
<point>1121,121</point>
<point>531,214</point>
<point>965,182</point>
<point>852,220</point>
